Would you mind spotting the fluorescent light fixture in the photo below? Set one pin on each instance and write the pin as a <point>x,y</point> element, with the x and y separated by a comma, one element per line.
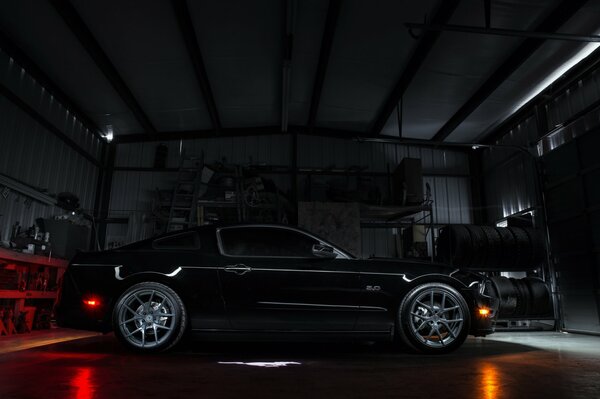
<point>263,364</point>
<point>564,68</point>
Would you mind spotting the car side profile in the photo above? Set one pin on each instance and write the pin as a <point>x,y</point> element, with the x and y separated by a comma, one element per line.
<point>258,281</point>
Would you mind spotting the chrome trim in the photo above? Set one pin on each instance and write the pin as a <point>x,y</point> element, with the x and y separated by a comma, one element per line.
<point>390,274</point>
<point>338,251</point>
<point>304,271</point>
<point>239,269</point>
<point>383,274</point>
<point>174,272</point>
<point>118,273</point>
<point>375,308</point>
<point>309,304</point>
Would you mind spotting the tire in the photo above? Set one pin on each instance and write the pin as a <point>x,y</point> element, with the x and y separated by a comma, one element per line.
<point>149,317</point>
<point>506,292</point>
<point>523,249</point>
<point>454,245</point>
<point>494,250</point>
<point>538,246</point>
<point>508,248</point>
<point>479,248</point>
<point>540,296</point>
<point>436,334</point>
<point>524,298</point>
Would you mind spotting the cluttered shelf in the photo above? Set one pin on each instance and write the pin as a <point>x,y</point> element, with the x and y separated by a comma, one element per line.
<point>16,294</point>
<point>391,213</point>
<point>14,256</point>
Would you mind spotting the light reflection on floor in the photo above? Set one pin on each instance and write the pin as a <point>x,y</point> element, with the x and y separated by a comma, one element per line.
<point>83,384</point>
<point>490,381</point>
<point>263,364</point>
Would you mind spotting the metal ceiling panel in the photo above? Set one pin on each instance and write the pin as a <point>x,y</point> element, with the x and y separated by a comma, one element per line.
<point>241,42</point>
<point>36,28</point>
<point>144,43</point>
<point>542,63</point>
<point>461,62</point>
<point>369,51</point>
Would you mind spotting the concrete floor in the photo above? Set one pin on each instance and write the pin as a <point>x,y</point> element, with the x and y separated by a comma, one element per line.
<point>505,365</point>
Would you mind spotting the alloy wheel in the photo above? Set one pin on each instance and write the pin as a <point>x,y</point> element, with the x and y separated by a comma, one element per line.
<point>436,317</point>
<point>146,318</point>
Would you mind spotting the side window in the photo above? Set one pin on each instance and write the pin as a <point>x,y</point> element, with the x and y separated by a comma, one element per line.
<point>263,241</point>
<point>183,241</point>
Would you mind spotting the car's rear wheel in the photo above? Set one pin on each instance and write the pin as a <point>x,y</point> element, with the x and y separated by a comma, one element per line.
<point>433,318</point>
<point>149,317</point>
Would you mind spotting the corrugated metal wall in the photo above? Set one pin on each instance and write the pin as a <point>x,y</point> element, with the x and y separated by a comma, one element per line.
<point>34,156</point>
<point>585,92</point>
<point>570,182</point>
<point>509,175</point>
<point>447,172</point>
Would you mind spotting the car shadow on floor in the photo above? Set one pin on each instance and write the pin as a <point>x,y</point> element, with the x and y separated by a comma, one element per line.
<point>191,348</point>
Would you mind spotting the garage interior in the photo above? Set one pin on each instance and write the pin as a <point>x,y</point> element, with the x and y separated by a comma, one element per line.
<point>459,131</point>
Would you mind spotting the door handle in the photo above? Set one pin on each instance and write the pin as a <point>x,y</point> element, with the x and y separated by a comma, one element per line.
<point>239,269</point>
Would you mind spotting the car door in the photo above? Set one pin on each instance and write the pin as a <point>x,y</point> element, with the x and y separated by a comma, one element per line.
<point>272,281</point>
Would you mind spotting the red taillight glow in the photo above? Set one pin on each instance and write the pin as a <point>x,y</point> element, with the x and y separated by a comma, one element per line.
<point>91,303</point>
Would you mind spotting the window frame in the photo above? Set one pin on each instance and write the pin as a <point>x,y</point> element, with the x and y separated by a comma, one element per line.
<point>341,254</point>
<point>197,242</point>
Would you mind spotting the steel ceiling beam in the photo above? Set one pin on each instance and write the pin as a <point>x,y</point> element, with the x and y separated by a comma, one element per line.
<point>333,12</point>
<point>13,51</point>
<point>78,27</point>
<point>553,21</point>
<point>236,132</point>
<point>286,62</point>
<point>275,130</point>
<point>426,41</point>
<point>197,134</point>
<point>503,32</point>
<point>186,26</point>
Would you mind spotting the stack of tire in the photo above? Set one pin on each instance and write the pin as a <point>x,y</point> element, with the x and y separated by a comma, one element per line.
<point>526,297</point>
<point>487,248</point>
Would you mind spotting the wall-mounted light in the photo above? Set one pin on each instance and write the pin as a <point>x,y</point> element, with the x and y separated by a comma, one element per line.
<point>109,133</point>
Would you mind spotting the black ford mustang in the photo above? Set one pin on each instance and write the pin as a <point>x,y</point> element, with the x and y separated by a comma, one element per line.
<point>272,282</point>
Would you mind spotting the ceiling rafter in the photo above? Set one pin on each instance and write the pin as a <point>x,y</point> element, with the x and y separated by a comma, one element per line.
<point>333,12</point>
<point>272,130</point>
<point>186,26</point>
<point>286,62</point>
<point>551,23</point>
<point>78,27</point>
<point>442,13</point>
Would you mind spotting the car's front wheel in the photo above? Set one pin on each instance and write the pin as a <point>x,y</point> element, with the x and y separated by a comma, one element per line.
<point>433,318</point>
<point>149,317</point>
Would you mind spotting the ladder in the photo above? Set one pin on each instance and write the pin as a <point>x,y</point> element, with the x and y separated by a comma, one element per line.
<point>182,213</point>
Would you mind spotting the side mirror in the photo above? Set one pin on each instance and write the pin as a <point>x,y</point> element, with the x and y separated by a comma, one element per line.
<point>323,251</point>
